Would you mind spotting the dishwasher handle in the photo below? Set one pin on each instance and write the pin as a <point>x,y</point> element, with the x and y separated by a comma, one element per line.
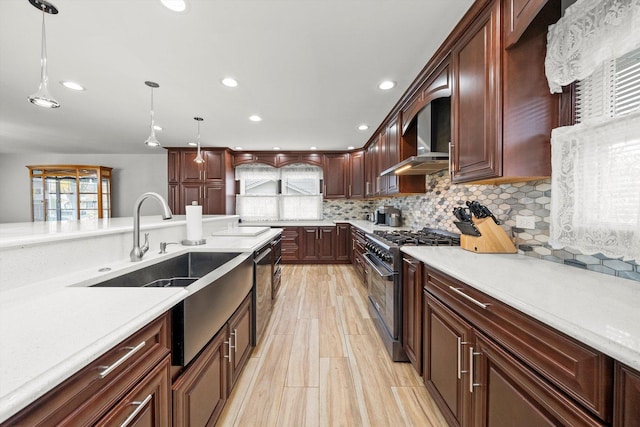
<point>262,255</point>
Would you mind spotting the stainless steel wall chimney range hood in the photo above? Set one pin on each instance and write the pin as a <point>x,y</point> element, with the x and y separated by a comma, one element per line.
<point>420,165</point>
<point>431,131</point>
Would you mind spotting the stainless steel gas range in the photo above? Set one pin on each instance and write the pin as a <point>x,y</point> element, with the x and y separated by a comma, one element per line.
<point>384,264</point>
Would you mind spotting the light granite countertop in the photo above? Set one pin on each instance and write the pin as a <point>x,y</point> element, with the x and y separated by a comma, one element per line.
<point>366,226</point>
<point>599,310</point>
<point>52,329</point>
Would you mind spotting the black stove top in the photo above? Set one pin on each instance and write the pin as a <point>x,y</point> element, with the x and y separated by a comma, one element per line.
<point>425,237</point>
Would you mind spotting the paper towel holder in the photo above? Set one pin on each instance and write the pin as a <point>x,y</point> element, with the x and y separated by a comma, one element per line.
<point>187,242</point>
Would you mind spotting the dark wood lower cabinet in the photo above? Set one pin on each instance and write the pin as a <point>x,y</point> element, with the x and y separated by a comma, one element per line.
<point>343,242</point>
<point>506,392</point>
<point>626,399</point>
<point>147,404</point>
<point>446,337</point>
<point>201,391</point>
<point>412,310</point>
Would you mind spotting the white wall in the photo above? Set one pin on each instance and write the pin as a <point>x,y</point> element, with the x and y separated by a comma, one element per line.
<point>132,176</point>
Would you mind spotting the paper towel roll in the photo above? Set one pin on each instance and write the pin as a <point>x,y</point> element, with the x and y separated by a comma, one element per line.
<point>194,222</point>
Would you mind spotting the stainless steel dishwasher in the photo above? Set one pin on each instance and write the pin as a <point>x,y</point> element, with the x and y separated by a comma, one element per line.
<point>262,289</point>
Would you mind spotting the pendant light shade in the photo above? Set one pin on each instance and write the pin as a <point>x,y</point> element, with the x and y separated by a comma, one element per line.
<point>42,97</point>
<point>198,158</point>
<point>152,141</point>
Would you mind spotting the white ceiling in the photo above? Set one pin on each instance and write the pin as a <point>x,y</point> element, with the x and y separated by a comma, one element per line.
<point>310,68</point>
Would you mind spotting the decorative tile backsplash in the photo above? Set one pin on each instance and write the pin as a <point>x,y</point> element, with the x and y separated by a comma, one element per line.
<point>434,209</point>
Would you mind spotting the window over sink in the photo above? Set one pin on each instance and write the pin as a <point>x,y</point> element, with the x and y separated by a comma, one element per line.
<point>269,194</point>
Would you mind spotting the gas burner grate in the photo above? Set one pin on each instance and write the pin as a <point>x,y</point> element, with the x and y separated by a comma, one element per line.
<point>426,237</point>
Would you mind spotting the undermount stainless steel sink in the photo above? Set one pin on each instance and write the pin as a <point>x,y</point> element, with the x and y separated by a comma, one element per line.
<point>180,271</point>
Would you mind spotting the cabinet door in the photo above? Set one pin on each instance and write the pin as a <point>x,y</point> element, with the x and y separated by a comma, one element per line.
<point>446,338</point>
<point>412,311</point>
<point>371,159</point>
<point>327,243</point>
<point>240,332</point>
<point>336,176</point>
<point>174,199</point>
<point>213,165</point>
<point>393,155</point>
<point>343,242</point>
<point>626,397</point>
<point>518,15</point>
<point>214,199</point>
<point>189,192</point>
<point>506,392</point>
<point>382,164</point>
<point>173,163</point>
<point>356,178</point>
<point>201,392</point>
<point>476,100</point>
<point>190,171</point>
<point>147,404</point>
<point>309,246</point>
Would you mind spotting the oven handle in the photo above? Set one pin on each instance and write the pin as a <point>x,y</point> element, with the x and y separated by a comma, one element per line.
<point>387,275</point>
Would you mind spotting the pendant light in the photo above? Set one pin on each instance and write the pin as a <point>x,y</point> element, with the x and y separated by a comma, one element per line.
<point>42,97</point>
<point>198,158</point>
<point>152,141</point>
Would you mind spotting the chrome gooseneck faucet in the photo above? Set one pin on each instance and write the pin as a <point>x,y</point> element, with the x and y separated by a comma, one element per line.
<point>138,252</point>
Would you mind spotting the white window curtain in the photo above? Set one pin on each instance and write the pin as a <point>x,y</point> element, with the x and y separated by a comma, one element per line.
<point>590,32</point>
<point>595,187</point>
<point>595,178</point>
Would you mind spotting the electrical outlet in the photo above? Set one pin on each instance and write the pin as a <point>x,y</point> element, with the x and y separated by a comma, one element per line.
<point>527,222</point>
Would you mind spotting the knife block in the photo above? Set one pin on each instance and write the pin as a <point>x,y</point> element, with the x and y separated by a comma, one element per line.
<point>493,239</point>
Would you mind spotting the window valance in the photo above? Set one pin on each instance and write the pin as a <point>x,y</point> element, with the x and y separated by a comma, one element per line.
<point>590,32</point>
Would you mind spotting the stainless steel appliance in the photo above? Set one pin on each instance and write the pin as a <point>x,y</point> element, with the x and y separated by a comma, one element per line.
<point>384,264</point>
<point>387,215</point>
<point>262,292</point>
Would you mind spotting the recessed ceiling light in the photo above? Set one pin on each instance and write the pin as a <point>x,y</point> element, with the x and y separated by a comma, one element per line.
<point>72,85</point>
<point>255,118</point>
<point>363,127</point>
<point>276,148</point>
<point>156,127</point>
<point>229,82</point>
<point>386,85</point>
<point>193,144</point>
<point>175,5</point>
<point>351,147</point>
<point>237,148</point>
<point>313,148</point>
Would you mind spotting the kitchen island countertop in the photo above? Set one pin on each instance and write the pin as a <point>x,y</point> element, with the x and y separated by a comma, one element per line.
<point>51,329</point>
<point>596,309</point>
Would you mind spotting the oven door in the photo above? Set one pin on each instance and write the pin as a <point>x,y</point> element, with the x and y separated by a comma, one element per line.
<point>381,286</point>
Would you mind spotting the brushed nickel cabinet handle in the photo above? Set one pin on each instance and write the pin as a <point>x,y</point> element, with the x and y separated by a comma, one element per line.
<point>473,300</point>
<point>450,159</point>
<point>471,356</point>
<point>228,355</point>
<point>106,370</point>
<point>140,407</point>
<point>460,344</point>
<point>235,340</point>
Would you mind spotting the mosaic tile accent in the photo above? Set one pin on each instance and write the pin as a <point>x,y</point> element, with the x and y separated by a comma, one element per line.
<point>434,209</point>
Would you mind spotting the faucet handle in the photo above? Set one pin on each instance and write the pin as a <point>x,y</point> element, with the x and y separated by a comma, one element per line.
<point>145,246</point>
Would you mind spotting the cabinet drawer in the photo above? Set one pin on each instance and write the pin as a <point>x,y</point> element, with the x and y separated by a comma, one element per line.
<point>582,372</point>
<point>147,404</point>
<point>87,395</point>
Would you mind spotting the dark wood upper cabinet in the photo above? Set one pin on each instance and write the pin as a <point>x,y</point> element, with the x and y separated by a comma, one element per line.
<point>518,15</point>
<point>336,176</point>
<point>209,184</point>
<point>476,100</point>
<point>503,112</point>
<point>357,175</point>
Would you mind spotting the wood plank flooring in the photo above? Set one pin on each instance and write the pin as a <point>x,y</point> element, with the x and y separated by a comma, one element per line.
<point>321,362</point>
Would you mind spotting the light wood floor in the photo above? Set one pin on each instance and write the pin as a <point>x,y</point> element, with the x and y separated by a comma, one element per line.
<point>321,363</point>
